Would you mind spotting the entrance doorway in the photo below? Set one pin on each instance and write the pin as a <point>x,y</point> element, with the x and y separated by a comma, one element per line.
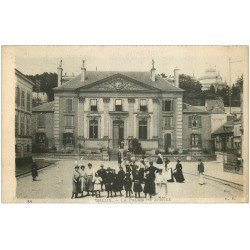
<point>118,133</point>
<point>167,141</point>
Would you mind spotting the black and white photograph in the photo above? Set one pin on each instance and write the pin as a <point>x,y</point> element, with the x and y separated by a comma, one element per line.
<point>128,124</point>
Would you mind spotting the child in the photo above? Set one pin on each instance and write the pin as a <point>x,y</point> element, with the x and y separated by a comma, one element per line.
<point>97,181</point>
<point>137,183</point>
<point>161,184</point>
<point>109,182</point>
<point>128,185</point>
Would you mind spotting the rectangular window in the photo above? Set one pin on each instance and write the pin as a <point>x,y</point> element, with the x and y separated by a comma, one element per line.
<point>93,129</point>
<point>22,125</point>
<point>69,105</point>
<point>41,120</point>
<point>168,122</point>
<point>143,129</point>
<point>195,140</point>
<point>118,105</point>
<point>143,105</point>
<point>22,99</point>
<point>28,102</point>
<point>93,105</point>
<point>167,105</point>
<point>28,125</point>
<point>68,121</point>
<point>194,121</point>
<point>16,123</point>
<point>68,139</point>
<point>17,96</point>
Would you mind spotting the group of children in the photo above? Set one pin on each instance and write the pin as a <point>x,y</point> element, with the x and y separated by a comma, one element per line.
<point>133,177</point>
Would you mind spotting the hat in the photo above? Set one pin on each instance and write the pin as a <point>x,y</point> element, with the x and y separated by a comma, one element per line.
<point>101,165</point>
<point>178,160</point>
<point>108,169</point>
<point>76,166</point>
<point>89,164</point>
<point>82,166</point>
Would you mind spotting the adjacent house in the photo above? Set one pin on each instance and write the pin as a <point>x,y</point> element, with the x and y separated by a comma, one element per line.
<point>23,112</point>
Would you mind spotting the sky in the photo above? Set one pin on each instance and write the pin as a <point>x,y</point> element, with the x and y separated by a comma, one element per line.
<point>191,60</point>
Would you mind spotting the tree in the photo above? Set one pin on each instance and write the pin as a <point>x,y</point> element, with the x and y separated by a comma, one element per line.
<point>46,82</point>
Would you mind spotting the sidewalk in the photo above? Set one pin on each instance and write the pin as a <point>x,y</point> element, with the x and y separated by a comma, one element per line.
<point>215,169</point>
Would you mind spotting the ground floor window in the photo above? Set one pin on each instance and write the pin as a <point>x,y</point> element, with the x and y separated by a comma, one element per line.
<point>195,140</point>
<point>68,139</point>
<point>40,138</point>
<point>143,129</point>
<point>93,129</point>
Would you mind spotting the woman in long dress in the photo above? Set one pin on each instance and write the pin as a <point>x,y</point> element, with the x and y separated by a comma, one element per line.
<point>76,184</point>
<point>83,178</point>
<point>178,175</point>
<point>201,172</point>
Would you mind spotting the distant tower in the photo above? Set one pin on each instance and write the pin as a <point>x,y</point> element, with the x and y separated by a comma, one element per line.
<point>60,71</point>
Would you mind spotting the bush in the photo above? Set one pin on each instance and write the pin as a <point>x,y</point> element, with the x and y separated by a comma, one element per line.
<point>136,146</point>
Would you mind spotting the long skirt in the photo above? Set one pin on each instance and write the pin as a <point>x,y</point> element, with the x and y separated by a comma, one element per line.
<point>108,186</point>
<point>149,187</point>
<point>201,179</point>
<point>137,186</point>
<point>76,187</point>
<point>83,184</point>
<point>89,184</point>
<point>179,176</point>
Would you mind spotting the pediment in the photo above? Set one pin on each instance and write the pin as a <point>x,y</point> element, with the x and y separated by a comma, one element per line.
<point>118,83</point>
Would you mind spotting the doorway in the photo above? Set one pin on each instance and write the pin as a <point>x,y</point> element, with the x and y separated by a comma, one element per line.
<point>167,141</point>
<point>118,133</point>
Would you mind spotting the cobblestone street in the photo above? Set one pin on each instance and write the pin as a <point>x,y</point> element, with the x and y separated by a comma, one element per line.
<point>55,182</point>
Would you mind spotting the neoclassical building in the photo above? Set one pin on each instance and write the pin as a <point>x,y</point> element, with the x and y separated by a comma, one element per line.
<point>98,109</point>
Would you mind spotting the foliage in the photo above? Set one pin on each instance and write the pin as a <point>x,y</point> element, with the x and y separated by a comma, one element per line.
<point>46,82</point>
<point>136,147</point>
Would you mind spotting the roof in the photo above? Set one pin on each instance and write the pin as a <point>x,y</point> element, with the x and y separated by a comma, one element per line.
<point>20,74</point>
<point>226,128</point>
<point>46,107</point>
<point>211,104</point>
<point>95,76</point>
<point>187,108</point>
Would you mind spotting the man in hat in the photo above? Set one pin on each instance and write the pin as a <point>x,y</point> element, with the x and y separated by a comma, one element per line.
<point>90,175</point>
<point>201,172</point>
<point>102,173</point>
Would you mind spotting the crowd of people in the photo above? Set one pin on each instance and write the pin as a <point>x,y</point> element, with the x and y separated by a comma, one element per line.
<point>134,177</point>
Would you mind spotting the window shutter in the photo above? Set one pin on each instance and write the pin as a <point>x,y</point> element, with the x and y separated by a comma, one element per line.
<point>199,121</point>
<point>190,121</point>
<point>199,140</point>
<point>163,105</point>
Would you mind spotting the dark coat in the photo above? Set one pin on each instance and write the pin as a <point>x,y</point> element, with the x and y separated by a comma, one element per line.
<point>128,183</point>
<point>102,173</point>
<point>119,157</point>
<point>149,187</point>
<point>152,170</point>
<point>119,181</point>
<point>109,181</point>
<point>137,182</point>
<point>178,175</point>
<point>34,171</point>
<point>201,167</point>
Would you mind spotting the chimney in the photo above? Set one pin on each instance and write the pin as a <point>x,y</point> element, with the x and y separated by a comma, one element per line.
<point>83,73</point>
<point>176,77</point>
<point>59,76</point>
<point>152,76</point>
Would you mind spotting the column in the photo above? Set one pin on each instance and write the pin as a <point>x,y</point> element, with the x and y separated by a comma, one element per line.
<point>81,117</point>
<point>131,121</point>
<point>155,119</point>
<point>178,124</point>
<point>56,122</point>
<point>106,117</point>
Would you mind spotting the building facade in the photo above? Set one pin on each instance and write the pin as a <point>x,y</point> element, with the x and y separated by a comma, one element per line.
<point>99,109</point>
<point>212,77</point>
<point>43,126</point>
<point>196,129</point>
<point>23,112</point>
